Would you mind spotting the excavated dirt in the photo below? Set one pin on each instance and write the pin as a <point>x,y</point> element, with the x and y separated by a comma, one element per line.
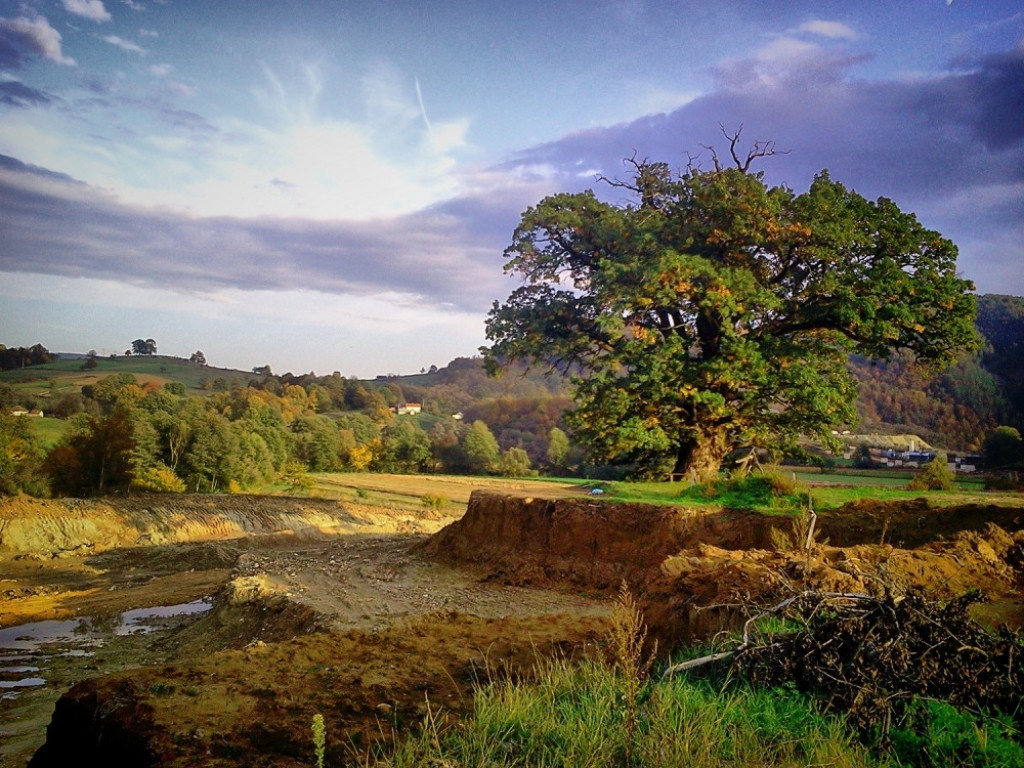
<point>368,619</point>
<point>699,572</point>
<point>316,608</point>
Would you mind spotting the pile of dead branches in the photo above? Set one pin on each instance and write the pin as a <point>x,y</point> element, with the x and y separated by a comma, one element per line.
<point>869,656</point>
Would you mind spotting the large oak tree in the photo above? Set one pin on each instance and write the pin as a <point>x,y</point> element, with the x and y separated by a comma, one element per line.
<point>713,311</point>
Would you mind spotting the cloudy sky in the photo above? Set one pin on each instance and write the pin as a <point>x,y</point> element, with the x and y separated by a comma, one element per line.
<point>329,184</point>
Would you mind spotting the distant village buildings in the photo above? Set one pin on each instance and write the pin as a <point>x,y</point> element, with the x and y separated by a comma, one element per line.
<point>19,411</point>
<point>910,456</point>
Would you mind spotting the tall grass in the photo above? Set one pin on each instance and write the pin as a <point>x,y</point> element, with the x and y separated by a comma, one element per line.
<point>574,716</point>
<point>611,714</point>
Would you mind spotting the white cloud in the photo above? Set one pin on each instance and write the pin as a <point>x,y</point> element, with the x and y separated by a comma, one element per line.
<point>126,45</point>
<point>297,161</point>
<point>89,9</point>
<point>834,30</point>
<point>181,89</point>
<point>653,100</point>
<point>149,33</point>
<point>36,36</point>
<point>161,70</point>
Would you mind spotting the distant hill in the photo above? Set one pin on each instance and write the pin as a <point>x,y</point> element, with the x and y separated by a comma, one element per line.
<point>952,410</point>
<point>957,407</point>
<point>39,385</point>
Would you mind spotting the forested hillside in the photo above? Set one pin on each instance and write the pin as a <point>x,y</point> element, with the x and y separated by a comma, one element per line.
<point>176,424</point>
<point>956,408</point>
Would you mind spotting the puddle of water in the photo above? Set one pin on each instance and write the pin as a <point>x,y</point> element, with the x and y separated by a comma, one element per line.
<point>26,682</point>
<point>18,670</point>
<point>132,621</point>
<point>73,637</point>
<point>28,637</point>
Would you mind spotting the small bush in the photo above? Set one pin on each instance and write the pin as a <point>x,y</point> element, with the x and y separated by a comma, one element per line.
<point>434,501</point>
<point>159,479</point>
<point>296,476</point>
<point>1002,482</point>
<point>773,490</point>
<point>934,476</point>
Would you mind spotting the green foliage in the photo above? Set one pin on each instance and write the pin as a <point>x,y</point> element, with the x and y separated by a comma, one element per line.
<point>522,422</point>
<point>482,451</point>
<point>716,311</point>
<point>446,447</point>
<point>434,501</point>
<point>210,461</point>
<point>296,476</point>
<point>317,442</point>
<point>96,457</point>
<point>934,476</point>
<point>158,479</point>
<point>319,739</point>
<point>577,715</point>
<point>514,462</point>
<point>21,458</point>
<point>937,735</point>
<point>404,447</point>
<point>1001,321</point>
<point>1003,449</point>
<point>21,357</point>
<point>767,491</point>
<point>558,447</point>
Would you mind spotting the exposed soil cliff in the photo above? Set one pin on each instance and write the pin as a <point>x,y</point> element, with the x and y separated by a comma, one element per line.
<point>699,571</point>
<point>360,616</point>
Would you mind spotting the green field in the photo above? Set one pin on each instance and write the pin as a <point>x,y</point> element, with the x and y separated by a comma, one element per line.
<point>61,376</point>
<point>407,493</point>
<point>827,491</point>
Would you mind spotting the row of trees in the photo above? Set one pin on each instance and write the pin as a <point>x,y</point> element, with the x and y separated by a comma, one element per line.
<point>159,439</point>
<point>22,357</point>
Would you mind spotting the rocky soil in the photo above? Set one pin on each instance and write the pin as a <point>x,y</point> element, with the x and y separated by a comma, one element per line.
<point>369,618</point>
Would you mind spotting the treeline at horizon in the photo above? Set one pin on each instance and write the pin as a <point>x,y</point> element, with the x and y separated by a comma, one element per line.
<point>123,435</point>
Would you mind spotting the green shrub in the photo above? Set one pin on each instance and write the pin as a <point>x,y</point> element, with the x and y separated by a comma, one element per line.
<point>1008,482</point>
<point>769,490</point>
<point>938,735</point>
<point>434,501</point>
<point>934,476</point>
<point>159,479</point>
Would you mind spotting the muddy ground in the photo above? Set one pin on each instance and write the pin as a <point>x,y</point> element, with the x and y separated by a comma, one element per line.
<point>369,617</point>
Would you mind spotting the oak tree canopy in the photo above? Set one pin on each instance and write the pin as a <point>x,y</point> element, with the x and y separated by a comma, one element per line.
<point>712,311</point>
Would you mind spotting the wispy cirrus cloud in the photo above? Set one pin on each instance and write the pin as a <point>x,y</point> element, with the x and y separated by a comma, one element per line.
<point>16,94</point>
<point>125,45</point>
<point>835,30</point>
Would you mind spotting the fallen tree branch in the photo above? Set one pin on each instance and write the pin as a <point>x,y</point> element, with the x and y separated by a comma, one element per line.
<point>749,624</point>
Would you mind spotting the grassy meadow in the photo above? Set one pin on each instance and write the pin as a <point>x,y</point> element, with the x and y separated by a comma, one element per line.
<point>67,375</point>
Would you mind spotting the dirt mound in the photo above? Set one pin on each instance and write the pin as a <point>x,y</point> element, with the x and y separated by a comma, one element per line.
<point>583,543</point>
<point>910,524</point>
<point>102,723</point>
<point>700,572</point>
<point>254,706</point>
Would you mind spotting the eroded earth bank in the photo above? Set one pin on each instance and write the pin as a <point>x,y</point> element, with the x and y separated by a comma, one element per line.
<point>369,617</point>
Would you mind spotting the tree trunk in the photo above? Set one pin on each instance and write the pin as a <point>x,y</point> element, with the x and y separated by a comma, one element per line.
<point>700,459</point>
